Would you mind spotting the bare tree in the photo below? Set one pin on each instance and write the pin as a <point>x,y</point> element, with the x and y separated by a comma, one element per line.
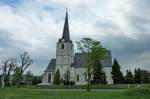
<point>26,62</point>
<point>4,69</point>
<point>7,68</point>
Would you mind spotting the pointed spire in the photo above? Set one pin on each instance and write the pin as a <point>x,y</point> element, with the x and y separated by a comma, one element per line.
<point>66,35</point>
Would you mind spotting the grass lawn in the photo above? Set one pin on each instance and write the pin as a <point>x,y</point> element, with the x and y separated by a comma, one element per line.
<point>22,93</point>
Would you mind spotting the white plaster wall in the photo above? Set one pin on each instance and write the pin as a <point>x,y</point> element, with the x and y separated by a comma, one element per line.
<point>65,58</point>
<point>72,74</point>
<point>108,75</point>
<point>45,77</point>
<point>81,72</point>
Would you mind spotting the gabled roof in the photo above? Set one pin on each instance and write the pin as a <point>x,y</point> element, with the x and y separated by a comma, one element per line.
<point>51,65</point>
<point>80,60</point>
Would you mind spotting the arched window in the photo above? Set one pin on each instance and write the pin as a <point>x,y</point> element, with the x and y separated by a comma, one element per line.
<point>49,78</point>
<point>62,46</point>
<point>85,76</point>
<point>78,78</point>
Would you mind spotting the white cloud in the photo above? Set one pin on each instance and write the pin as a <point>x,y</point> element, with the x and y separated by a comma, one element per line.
<point>36,25</point>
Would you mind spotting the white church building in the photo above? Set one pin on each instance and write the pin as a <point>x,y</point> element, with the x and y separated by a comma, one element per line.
<point>66,60</point>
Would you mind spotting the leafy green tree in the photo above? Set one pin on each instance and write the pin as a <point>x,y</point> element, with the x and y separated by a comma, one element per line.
<point>16,76</point>
<point>99,76</point>
<point>138,76</point>
<point>92,50</point>
<point>117,75</point>
<point>67,78</point>
<point>57,78</point>
<point>145,76</point>
<point>36,80</point>
<point>129,77</point>
<point>146,79</point>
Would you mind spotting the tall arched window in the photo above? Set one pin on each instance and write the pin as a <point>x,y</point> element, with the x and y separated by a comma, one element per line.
<point>78,78</point>
<point>62,46</point>
<point>85,76</point>
<point>49,78</point>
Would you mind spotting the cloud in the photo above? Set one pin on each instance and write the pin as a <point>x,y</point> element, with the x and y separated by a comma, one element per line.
<point>36,25</point>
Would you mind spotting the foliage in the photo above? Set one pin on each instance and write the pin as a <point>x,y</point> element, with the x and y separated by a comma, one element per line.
<point>116,73</point>
<point>138,76</point>
<point>28,78</point>
<point>57,78</point>
<point>99,76</point>
<point>129,77</point>
<point>92,50</point>
<point>16,76</point>
<point>67,76</point>
<point>7,67</point>
<point>10,66</point>
<point>145,76</point>
<point>36,80</point>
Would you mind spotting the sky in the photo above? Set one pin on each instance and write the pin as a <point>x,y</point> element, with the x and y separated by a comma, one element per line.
<point>122,26</point>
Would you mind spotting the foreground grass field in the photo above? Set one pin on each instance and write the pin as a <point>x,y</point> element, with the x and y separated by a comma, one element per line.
<point>24,93</point>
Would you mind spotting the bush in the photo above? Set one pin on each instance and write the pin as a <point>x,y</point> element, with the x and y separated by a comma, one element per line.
<point>69,82</point>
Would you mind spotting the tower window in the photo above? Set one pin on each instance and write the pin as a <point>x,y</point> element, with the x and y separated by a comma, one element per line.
<point>62,46</point>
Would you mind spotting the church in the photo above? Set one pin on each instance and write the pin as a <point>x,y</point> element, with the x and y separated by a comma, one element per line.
<point>66,60</point>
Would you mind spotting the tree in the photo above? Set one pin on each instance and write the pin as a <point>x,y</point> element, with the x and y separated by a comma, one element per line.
<point>28,78</point>
<point>138,76</point>
<point>129,77</point>
<point>99,76</point>
<point>36,80</point>
<point>116,73</point>
<point>67,78</point>
<point>7,67</point>
<point>92,50</point>
<point>16,76</point>
<point>57,78</point>
<point>4,72</point>
<point>145,76</point>
<point>26,62</point>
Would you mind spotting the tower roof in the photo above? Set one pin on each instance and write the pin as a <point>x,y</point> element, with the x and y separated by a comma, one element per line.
<point>66,35</point>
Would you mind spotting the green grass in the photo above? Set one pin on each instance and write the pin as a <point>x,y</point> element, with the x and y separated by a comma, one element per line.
<point>115,86</point>
<point>24,93</point>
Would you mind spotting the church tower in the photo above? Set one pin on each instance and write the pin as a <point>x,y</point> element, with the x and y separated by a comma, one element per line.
<point>65,53</point>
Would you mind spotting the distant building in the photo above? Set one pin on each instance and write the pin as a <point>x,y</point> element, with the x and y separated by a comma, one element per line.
<point>66,60</point>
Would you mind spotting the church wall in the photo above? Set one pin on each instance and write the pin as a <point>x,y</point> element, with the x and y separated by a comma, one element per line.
<point>81,72</point>
<point>46,76</point>
<point>108,75</point>
<point>66,55</point>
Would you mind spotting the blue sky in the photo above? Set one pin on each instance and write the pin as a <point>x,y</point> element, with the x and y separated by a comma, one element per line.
<point>36,25</point>
<point>10,2</point>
